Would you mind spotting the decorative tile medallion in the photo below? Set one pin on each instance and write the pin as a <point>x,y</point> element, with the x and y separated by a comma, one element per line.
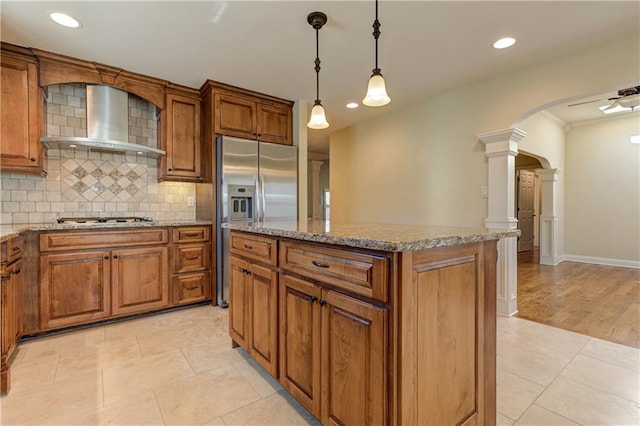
<point>98,180</point>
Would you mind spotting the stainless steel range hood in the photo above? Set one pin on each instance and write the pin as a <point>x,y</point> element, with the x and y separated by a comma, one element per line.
<point>107,125</point>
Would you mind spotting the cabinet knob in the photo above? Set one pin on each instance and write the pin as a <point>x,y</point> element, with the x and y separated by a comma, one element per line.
<point>106,257</point>
<point>15,249</point>
<point>322,302</point>
<point>170,169</point>
<point>16,272</point>
<point>313,299</point>
<point>32,159</point>
<point>248,247</point>
<point>115,256</point>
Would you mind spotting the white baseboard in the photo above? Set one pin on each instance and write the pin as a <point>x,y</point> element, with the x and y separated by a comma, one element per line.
<point>602,261</point>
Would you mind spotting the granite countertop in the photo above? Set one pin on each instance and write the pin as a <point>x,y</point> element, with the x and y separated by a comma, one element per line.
<point>10,231</point>
<point>384,237</point>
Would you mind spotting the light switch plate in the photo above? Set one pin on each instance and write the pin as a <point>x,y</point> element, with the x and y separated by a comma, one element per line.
<point>484,192</point>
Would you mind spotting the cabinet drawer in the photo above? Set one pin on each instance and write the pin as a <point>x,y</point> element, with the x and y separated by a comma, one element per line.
<point>262,249</point>
<point>12,249</point>
<point>363,274</point>
<point>190,288</point>
<point>192,234</point>
<point>191,257</point>
<point>67,240</point>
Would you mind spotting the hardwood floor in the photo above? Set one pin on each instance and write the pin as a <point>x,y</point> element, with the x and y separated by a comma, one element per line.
<point>596,300</point>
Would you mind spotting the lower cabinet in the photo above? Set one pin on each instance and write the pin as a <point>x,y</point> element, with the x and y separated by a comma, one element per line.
<point>139,280</point>
<point>253,312</point>
<point>10,314</point>
<point>81,287</point>
<point>74,288</point>
<point>332,353</point>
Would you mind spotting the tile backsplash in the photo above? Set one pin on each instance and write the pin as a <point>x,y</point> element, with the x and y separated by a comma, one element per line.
<point>93,183</point>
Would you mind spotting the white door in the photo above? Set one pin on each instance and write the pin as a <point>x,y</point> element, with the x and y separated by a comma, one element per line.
<point>525,209</point>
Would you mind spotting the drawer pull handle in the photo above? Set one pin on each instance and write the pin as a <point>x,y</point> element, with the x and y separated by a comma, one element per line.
<point>313,299</point>
<point>248,246</point>
<point>320,264</point>
<point>191,234</point>
<point>192,258</point>
<point>16,272</point>
<point>16,249</point>
<point>192,288</point>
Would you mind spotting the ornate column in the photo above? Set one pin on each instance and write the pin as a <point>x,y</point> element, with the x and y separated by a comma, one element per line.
<point>316,204</point>
<point>501,149</point>
<point>549,236</point>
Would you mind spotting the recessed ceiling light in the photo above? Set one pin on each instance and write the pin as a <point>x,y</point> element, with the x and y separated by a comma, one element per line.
<point>72,146</point>
<point>64,20</point>
<point>352,105</point>
<point>503,43</point>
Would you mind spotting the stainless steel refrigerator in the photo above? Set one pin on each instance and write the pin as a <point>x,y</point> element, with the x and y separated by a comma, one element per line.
<point>257,182</point>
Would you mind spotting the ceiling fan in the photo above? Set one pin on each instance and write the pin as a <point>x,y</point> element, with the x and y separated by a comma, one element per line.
<point>627,98</point>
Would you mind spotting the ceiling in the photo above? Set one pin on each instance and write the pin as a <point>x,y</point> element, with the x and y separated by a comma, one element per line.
<point>426,47</point>
<point>588,109</point>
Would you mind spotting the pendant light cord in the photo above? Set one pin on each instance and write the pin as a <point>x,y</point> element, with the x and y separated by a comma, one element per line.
<point>317,68</point>
<point>376,34</point>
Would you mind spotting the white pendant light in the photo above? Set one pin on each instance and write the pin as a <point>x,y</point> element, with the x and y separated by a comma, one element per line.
<point>377,90</point>
<point>318,118</point>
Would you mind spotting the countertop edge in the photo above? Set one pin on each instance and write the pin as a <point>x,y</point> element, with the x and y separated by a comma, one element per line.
<point>377,244</point>
<point>20,228</point>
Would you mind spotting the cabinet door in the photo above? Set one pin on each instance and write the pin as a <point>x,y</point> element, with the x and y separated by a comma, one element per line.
<point>263,303</point>
<point>74,288</point>
<point>300,341</point>
<point>239,312</point>
<point>274,124</point>
<point>354,344</point>
<point>234,116</point>
<point>183,142</point>
<point>21,117</point>
<point>139,280</point>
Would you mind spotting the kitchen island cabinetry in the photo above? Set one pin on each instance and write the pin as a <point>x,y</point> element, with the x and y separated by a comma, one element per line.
<point>11,281</point>
<point>180,136</point>
<point>21,108</point>
<point>246,114</point>
<point>253,287</point>
<point>385,324</point>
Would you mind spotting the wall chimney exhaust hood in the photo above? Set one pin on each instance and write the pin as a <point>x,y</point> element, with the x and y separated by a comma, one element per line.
<point>107,125</point>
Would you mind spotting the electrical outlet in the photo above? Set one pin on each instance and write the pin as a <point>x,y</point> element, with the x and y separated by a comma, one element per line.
<point>189,201</point>
<point>484,192</point>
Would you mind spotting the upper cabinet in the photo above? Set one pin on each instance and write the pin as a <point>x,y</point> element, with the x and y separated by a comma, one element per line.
<point>246,114</point>
<point>180,136</point>
<point>21,107</point>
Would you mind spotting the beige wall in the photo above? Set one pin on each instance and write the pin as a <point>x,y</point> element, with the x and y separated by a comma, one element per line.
<point>545,141</point>
<point>424,164</point>
<point>603,190</point>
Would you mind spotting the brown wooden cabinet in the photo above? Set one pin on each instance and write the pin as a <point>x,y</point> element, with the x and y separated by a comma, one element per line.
<point>84,278</point>
<point>180,136</point>
<point>191,266</point>
<point>21,106</point>
<point>373,337</point>
<point>11,295</point>
<point>253,296</point>
<point>139,280</point>
<point>246,114</point>
<point>333,353</point>
<point>74,288</point>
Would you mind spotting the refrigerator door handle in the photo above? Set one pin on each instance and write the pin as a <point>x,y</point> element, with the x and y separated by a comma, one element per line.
<point>261,201</point>
<point>257,203</point>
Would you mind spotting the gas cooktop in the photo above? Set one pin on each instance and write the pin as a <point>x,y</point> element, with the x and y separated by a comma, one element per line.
<point>103,219</point>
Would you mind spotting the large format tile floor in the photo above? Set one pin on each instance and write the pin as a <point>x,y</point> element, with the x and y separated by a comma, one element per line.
<point>179,368</point>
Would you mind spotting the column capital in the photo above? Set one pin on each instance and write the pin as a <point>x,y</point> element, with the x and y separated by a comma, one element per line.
<point>548,175</point>
<point>316,165</point>
<point>502,142</point>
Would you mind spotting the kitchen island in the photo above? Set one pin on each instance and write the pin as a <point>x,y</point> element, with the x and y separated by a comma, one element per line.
<point>368,323</point>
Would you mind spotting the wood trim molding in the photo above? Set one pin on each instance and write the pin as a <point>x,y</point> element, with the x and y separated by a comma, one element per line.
<point>210,85</point>
<point>56,69</point>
